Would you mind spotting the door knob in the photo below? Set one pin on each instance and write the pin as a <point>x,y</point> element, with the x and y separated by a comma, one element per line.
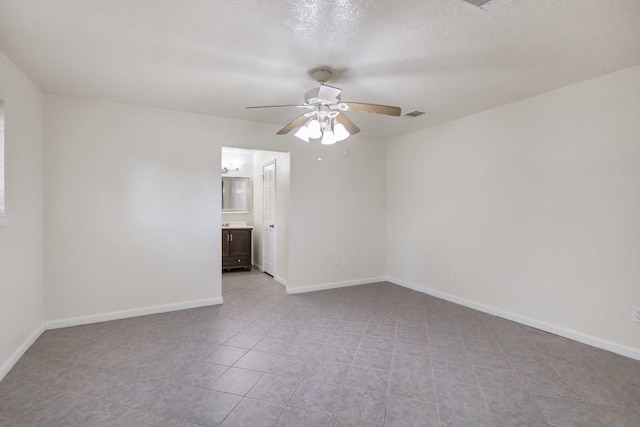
<point>271,226</point>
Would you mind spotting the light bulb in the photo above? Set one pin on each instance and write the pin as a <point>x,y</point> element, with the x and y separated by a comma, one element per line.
<point>313,129</point>
<point>328,138</point>
<point>303,133</point>
<point>340,132</point>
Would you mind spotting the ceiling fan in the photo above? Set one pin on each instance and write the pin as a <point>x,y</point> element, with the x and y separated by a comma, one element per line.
<point>325,121</point>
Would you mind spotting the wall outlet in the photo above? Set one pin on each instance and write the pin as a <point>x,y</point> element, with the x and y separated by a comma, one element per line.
<point>635,313</point>
<point>454,274</point>
<point>344,263</point>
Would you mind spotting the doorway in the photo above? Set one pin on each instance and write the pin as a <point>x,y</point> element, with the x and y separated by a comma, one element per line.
<point>269,177</point>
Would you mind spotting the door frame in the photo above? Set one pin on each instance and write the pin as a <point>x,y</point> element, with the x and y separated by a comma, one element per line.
<point>274,252</point>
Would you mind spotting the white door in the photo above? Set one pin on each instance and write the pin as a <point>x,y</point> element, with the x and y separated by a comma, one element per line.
<point>269,218</point>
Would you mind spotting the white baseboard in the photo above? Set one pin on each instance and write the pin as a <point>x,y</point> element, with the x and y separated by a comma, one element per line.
<point>115,315</point>
<point>603,344</point>
<point>85,320</point>
<point>280,280</point>
<point>20,351</point>
<point>333,285</point>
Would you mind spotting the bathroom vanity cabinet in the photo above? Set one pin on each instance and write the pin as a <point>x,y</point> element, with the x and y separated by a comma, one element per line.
<point>236,248</point>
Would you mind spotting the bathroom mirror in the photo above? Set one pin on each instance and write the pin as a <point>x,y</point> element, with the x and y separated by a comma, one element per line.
<point>236,195</point>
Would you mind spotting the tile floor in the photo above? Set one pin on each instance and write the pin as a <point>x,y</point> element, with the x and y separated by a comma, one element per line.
<point>362,356</point>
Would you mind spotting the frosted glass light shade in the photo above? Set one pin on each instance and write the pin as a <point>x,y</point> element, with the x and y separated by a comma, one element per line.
<point>328,138</point>
<point>340,132</point>
<point>303,133</point>
<point>314,129</point>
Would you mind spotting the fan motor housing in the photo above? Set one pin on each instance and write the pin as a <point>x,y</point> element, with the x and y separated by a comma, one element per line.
<point>311,97</point>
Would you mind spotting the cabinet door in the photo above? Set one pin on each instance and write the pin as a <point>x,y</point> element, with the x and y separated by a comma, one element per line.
<point>239,243</point>
<point>225,242</point>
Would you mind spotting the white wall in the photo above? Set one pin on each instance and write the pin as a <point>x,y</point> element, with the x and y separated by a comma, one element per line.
<point>21,242</point>
<point>337,212</point>
<point>537,204</point>
<point>133,206</point>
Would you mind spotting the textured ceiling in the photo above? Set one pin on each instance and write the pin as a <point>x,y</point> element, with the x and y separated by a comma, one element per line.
<point>216,57</point>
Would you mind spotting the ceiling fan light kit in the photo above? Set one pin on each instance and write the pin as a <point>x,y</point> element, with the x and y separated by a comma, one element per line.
<point>326,122</point>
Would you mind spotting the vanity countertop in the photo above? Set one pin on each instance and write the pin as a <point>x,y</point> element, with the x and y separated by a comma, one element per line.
<point>230,225</point>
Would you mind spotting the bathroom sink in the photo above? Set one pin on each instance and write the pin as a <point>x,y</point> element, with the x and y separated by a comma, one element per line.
<point>236,224</point>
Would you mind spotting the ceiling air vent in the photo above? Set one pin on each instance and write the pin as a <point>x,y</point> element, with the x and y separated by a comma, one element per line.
<point>415,113</point>
<point>488,5</point>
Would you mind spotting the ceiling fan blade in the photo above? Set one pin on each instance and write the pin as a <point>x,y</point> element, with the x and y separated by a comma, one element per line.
<point>348,124</point>
<point>328,93</point>
<point>373,108</point>
<point>278,106</point>
<point>293,124</point>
